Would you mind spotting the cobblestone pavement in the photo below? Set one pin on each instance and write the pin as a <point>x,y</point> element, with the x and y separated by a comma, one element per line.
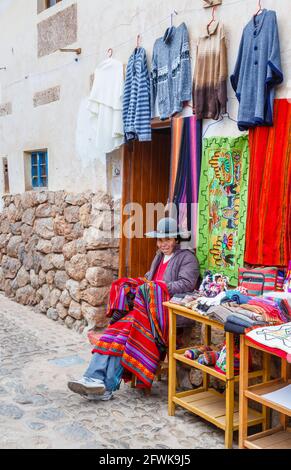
<point>37,410</point>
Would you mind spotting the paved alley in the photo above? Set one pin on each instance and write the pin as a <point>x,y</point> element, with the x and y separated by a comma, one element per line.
<point>37,410</point>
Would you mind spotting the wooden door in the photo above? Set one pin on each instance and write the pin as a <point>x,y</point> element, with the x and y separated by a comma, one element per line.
<point>146,174</point>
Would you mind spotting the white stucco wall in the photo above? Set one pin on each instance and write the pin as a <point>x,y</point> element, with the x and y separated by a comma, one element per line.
<point>63,127</point>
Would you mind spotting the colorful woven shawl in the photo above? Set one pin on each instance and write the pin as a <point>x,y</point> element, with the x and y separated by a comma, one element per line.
<point>268,234</point>
<point>185,170</point>
<point>118,298</point>
<point>141,337</point>
<point>222,205</point>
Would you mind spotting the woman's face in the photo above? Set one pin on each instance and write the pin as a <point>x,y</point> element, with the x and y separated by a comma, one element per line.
<point>167,245</point>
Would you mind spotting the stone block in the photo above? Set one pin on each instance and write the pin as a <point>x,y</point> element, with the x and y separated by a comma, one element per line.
<point>57,31</point>
<point>47,96</point>
<point>5,109</point>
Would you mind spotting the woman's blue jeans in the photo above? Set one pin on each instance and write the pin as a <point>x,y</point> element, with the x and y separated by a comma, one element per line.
<point>106,368</point>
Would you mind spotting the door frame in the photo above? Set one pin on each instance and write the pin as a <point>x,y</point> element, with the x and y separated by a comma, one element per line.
<point>127,151</point>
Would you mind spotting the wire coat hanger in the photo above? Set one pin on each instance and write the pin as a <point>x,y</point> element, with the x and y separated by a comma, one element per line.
<point>138,39</point>
<point>221,118</point>
<point>260,8</point>
<point>226,114</point>
<point>172,16</point>
<point>212,124</point>
<point>213,18</point>
<point>110,52</point>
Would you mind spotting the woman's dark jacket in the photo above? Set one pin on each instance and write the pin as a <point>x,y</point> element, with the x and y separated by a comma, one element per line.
<point>181,275</point>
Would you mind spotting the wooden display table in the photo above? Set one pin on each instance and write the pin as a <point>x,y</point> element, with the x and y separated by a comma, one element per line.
<point>219,409</point>
<point>280,436</point>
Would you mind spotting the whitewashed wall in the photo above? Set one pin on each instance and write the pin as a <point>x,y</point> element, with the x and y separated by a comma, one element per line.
<point>63,127</point>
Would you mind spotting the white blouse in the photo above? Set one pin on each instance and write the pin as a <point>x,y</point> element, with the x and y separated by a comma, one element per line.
<point>105,104</point>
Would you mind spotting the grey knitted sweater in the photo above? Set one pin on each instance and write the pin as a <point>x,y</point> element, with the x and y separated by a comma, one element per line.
<point>171,82</point>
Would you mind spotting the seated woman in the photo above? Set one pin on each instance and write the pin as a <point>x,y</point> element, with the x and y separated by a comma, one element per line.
<point>137,338</point>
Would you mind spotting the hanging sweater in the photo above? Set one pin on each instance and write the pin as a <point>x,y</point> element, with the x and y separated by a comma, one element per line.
<point>171,72</point>
<point>105,105</point>
<point>258,71</point>
<point>210,78</point>
<point>136,100</point>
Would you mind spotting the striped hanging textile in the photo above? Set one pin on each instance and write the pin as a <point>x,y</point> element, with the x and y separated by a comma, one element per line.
<point>223,205</point>
<point>268,234</point>
<point>185,171</point>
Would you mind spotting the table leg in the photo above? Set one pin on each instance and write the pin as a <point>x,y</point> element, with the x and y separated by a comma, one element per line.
<point>243,384</point>
<point>229,390</point>
<point>266,378</point>
<point>284,419</point>
<point>172,362</point>
<point>207,342</point>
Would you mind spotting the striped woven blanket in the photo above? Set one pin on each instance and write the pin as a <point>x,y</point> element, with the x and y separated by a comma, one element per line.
<point>141,337</point>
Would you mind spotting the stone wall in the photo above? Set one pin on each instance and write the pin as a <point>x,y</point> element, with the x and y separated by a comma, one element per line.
<point>58,253</point>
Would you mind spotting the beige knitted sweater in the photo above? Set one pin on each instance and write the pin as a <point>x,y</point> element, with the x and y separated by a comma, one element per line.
<point>211,73</point>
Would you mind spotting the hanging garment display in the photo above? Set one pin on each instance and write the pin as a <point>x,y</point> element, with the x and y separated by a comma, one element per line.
<point>185,171</point>
<point>211,74</point>
<point>171,72</point>
<point>105,104</point>
<point>258,71</point>
<point>222,205</point>
<point>136,100</point>
<point>268,235</point>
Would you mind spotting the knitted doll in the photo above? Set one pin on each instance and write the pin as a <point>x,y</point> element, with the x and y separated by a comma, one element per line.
<point>194,353</point>
<point>209,358</point>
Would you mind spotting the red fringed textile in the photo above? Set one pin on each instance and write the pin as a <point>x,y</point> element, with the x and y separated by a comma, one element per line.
<point>119,291</point>
<point>268,235</point>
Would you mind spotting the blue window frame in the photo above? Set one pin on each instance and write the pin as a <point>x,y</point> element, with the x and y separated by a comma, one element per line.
<point>39,169</point>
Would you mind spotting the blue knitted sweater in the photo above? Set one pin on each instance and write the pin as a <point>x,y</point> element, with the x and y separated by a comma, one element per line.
<point>257,71</point>
<point>171,82</point>
<point>136,100</point>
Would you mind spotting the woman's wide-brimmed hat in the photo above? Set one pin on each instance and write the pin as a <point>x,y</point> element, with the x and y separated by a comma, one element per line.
<point>167,228</point>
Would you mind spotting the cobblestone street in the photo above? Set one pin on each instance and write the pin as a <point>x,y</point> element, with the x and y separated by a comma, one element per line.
<point>37,410</point>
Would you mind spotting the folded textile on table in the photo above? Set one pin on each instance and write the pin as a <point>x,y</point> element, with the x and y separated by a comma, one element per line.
<point>220,313</point>
<point>286,307</point>
<point>272,313</point>
<point>273,337</point>
<point>244,321</point>
<point>176,300</point>
<point>183,299</point>
<point>202,308</point>
<point>243,311</point>
<point>254,308</point>
<point>192,305</point>
<point>231,327</point>
<point>237,296</point>
<point>212,300</point>
<point>189,298</point>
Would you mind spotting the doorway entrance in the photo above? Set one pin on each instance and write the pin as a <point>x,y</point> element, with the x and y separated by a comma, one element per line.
<point>146,175</point>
